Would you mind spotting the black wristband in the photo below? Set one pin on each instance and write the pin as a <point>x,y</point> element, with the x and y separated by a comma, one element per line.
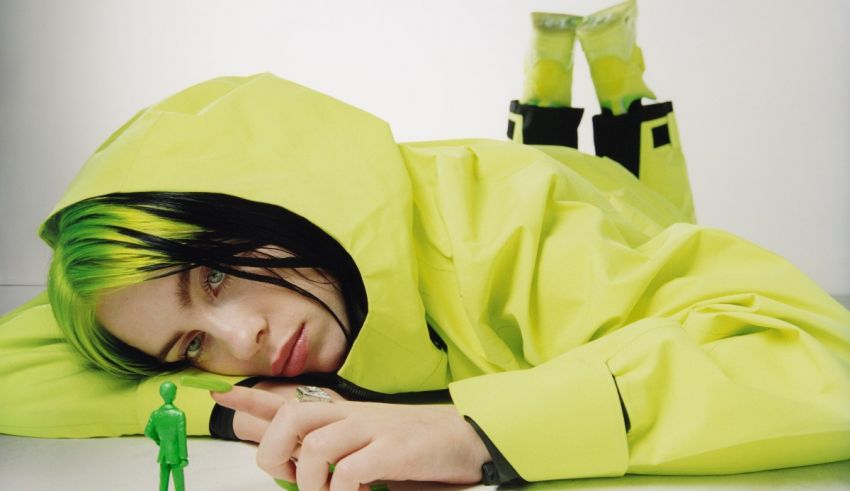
<point>499,470</point>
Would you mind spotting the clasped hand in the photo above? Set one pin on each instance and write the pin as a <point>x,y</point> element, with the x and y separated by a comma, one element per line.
<point>365,441</point>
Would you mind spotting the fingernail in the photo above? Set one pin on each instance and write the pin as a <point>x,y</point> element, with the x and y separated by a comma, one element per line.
<point>208,383</point>
<point>291,486</point>
<point>287,485</point>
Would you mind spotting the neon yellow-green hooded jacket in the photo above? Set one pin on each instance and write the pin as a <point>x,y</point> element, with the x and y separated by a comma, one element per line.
<point>558,282</point>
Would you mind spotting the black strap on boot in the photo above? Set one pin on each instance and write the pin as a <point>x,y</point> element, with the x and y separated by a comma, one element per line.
<point>618,137</point>
<point>544,125</point>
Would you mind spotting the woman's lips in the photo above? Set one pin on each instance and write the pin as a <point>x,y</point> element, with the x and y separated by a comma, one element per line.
<point>298,357</point>
<point>293,355</point>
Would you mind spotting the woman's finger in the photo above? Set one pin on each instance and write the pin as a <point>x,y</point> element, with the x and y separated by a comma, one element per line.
<point>259,403</point>
<point>357,469</point>
<point>292,423</point>
<point>288,389</point>
<point>248,427</point>
<point>327,445</point>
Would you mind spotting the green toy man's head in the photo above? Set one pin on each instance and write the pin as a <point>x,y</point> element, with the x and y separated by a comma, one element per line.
<point>168,390</point>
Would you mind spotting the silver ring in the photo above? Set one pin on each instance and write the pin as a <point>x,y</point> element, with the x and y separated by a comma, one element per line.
<point>311,393</point>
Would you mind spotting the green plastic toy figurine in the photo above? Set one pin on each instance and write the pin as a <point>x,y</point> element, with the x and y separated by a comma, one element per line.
<point>167,427</point>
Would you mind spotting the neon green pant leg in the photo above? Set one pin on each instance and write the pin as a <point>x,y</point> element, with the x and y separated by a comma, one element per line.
<point>662,167</point>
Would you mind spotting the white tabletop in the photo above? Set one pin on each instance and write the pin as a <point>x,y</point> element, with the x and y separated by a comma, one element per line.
<point>130,464</point>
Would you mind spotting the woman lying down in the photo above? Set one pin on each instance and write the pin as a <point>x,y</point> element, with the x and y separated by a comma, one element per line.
<point>478,310</point>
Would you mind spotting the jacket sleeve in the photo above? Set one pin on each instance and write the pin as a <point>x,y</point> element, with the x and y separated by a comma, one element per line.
<point>47,390</point>
<point>742,365</point>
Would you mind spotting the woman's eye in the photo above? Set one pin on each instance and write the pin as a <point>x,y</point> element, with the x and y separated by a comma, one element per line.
<point>214,281</point>
<point>193,349</point>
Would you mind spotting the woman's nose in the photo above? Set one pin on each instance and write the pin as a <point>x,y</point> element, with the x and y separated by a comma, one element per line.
<point>243,335</point>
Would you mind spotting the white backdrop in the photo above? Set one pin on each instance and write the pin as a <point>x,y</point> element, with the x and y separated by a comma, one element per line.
<point>760,88</point>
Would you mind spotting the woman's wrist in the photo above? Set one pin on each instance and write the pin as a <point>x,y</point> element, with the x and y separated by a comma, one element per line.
<point>469,440</point>
<point>497,469</point>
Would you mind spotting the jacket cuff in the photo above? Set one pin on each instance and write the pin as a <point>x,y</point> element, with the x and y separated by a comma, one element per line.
<point>559,420</point>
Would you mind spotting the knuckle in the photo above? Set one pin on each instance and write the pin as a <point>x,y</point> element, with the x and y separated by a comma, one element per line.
<point>264,462</point>
<point>283,411</point>
<point>286,415</point>
<point>346,472</point>
<point>277,470</point>
<point>314,443</point>
<point>271,464</point>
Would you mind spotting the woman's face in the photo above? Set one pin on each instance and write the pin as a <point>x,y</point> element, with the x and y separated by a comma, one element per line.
<point>229,325</point>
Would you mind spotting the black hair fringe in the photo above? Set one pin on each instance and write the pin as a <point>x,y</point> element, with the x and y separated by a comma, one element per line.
<point>231,226</point>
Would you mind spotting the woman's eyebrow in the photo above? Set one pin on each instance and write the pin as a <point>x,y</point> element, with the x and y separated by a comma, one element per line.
<point>183,294</point>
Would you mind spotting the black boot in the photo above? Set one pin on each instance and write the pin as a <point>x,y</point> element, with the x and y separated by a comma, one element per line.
<point>544,125</point>
<point>618,137</point>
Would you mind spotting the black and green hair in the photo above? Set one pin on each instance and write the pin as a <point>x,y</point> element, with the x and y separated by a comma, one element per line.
<point>116,240</point>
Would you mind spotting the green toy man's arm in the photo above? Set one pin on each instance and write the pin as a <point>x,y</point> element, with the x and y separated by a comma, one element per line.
<point>181,436</point>
<point>150,431</point>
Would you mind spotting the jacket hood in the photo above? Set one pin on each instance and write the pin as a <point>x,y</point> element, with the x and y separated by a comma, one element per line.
<point>266,139</point>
